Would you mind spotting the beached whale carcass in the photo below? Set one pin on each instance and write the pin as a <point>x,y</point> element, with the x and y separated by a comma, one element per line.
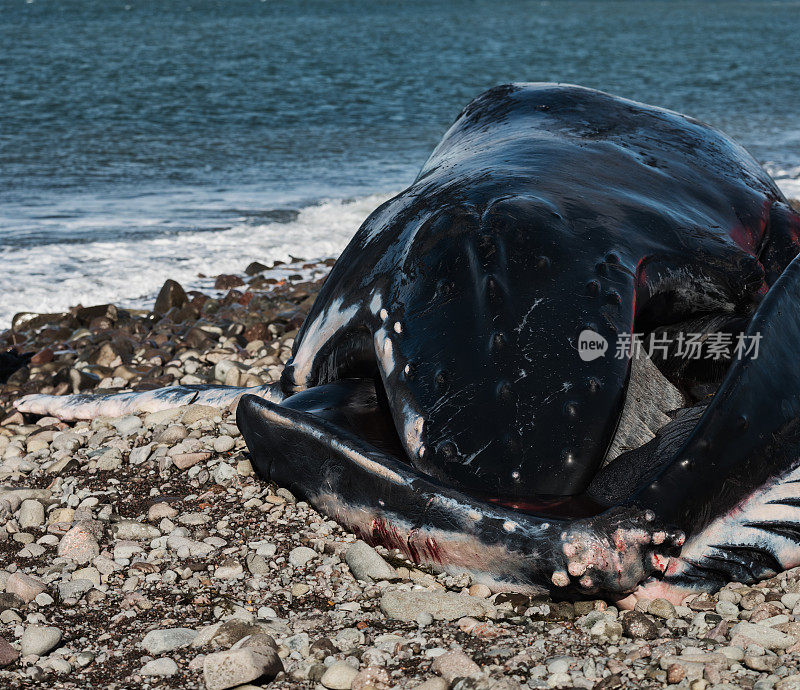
<point>437,400</point>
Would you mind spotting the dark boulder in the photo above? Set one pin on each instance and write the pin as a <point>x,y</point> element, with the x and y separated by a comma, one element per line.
<point>171,295</point>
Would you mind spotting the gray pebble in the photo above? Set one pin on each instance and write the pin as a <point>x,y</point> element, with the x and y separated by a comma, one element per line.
<point>443,605</point>
<point>366,563</point>
<point>160,667</point>
<point>31,514</point>
<point>339,676</point>
<point>300,555</point>
<point>222,444</point>
<point>160,641</point>
<point>39,639</point>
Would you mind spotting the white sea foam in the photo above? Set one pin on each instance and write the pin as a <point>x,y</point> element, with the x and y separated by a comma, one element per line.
<point>787,178</point>
<point>53,277</point>
<point>129,272</point>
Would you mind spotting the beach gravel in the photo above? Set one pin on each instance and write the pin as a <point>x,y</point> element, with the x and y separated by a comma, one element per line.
<point>142,551</point>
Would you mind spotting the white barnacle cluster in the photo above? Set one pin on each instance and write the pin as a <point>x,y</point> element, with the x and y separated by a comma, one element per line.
<point>384,348</point>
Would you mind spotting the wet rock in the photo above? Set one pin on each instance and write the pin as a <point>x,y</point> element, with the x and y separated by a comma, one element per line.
<point>228,669</point>
<point>257,332</point>
<point>637,625</point>
<point>226,281</point>
<point>407,605</point>
<point>198,339</point>
<point>44,356</point>
<point>85,315</point>
<point>39,639</point>
<point>82,380</point>
<point>366,563</point>
<point>171,295</point>
<point>111,353</point>
<point>254,268</point>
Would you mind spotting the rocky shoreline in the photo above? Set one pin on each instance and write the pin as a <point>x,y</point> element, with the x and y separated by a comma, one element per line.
<point>142,552</point>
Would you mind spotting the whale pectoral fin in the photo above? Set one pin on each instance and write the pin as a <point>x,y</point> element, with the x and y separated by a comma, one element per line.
<point>331,344</point>
<point>384,500</point>
<point>92,405</point>
<point>734,484</point>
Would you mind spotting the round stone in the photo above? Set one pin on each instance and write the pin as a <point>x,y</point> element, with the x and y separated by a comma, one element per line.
<point>301,555</point>
<point>160,667</point>
<point>339,676</point>
<point>222,444</point>
<point>39,639</point>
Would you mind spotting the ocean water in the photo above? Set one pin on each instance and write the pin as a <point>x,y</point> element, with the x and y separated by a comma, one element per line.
<point>141,140</point>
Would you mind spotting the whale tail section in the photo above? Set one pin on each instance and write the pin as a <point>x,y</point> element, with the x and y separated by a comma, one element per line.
<point>90,406</point>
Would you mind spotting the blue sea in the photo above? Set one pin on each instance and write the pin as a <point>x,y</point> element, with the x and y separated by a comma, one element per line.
<point>142,140</point>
